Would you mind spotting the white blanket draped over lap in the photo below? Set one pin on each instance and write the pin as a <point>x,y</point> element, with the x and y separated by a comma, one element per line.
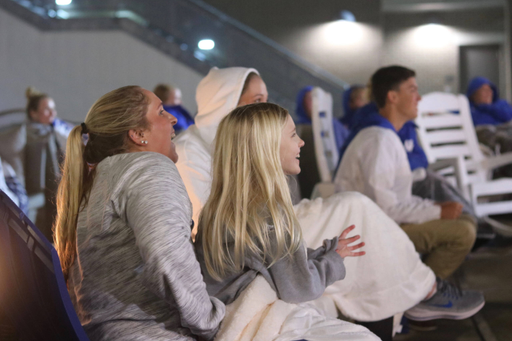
<point>389,279</point>
<point>258,315</point>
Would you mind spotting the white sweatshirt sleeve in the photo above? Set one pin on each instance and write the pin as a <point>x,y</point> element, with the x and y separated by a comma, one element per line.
<point>195,167</point>
<point>382,165</point>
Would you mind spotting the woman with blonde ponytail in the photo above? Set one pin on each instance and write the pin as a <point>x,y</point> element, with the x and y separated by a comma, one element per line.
<point>123,226</point>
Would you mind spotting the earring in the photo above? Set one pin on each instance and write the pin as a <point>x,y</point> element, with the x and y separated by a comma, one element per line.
<point>144,142</point>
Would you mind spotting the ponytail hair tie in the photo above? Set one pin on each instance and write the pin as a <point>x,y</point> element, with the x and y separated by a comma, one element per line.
<point>84,129</point>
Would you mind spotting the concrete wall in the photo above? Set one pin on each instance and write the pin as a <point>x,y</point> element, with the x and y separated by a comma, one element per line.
<point>433,50</point>
<point>349,51</point>
<point>76,68</point>
<point>379,38</point>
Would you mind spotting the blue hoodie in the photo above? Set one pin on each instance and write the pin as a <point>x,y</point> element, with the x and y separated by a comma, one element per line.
<point>340,132</point>
<point>349,114</point>
<point>184,118</point>
<point>496,113</point>
<point>369,116</point>
<point>415,154</point>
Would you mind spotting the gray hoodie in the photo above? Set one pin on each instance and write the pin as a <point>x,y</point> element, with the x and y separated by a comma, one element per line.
<point>136,276</point>
<point>298,278</point>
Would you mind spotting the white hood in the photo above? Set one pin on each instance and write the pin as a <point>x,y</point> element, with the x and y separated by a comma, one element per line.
<point>216,96</point>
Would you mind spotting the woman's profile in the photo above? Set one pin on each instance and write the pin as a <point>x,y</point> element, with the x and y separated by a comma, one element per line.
<point>123,226</point>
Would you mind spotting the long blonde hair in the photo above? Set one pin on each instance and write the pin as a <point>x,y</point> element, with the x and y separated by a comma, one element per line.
<point>107,125</point>
<point>249,192</point>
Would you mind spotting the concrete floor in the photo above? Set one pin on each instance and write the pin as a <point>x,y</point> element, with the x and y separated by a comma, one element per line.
<point>488,269</point>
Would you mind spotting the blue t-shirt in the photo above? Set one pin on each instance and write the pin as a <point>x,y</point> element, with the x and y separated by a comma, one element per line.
<point>415,154</point>
<point>183,116</point>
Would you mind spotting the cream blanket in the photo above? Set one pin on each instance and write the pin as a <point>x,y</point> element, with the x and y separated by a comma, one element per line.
<point>389,279</point>
<point>258,315</point>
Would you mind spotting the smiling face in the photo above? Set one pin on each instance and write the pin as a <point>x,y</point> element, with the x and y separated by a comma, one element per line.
<point>255,92</point>
<point>161,132</point>
<point>46,112</point>
<point>289,150</point>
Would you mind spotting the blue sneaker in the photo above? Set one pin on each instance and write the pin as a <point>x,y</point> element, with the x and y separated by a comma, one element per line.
<point>448,302</point>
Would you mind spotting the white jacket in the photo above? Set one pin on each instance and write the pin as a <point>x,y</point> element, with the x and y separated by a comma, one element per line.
<point>217,95</point>
<point>375,164</point>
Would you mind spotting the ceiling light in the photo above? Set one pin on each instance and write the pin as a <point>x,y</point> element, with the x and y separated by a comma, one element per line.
<point>63,2</point>
<point>206,44</point>
<point>433,35</point>
<point>343,33</point>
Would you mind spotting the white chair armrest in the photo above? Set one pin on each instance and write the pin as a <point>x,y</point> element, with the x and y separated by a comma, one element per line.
<point>497,161</point>
<point>459,167</point>
<point>441,164</point>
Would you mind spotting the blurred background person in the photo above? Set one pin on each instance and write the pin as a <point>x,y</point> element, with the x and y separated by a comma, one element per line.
<point>304,110</point>
<point>44,153</point>
<point>171,98</point>
<point>354,98</point>
<point>492,118</point>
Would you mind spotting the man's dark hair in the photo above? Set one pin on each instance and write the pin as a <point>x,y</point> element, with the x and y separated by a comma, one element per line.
<point>386,79</point>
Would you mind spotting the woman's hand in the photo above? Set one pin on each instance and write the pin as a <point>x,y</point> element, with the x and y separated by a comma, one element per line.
<point>343,249</point>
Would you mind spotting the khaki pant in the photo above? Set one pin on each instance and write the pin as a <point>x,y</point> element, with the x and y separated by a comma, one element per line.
<point>444,242</point>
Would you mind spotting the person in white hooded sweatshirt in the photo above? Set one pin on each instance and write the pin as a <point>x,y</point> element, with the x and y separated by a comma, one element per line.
<point>390,279</point>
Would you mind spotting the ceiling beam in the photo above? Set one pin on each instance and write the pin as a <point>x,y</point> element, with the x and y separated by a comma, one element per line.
<point>445,6</point>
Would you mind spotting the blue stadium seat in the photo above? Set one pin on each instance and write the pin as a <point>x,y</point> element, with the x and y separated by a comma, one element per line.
<point>33,293</point>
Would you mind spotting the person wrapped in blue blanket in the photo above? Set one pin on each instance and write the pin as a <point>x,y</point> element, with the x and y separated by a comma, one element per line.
<point>492,117</point>
<point>486,106</point>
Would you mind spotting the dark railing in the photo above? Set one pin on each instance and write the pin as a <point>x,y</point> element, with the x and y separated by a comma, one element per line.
<point>176,26</point>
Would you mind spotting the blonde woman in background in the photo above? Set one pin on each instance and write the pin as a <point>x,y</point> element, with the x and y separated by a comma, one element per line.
<point>44,153</point>
<point>123,226</point>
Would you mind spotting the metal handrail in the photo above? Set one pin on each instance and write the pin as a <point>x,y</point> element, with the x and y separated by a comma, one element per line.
<point>12,111</point>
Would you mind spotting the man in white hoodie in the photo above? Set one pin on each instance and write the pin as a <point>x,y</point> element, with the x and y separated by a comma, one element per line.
<point>388,280</point>
<point>375,163</point>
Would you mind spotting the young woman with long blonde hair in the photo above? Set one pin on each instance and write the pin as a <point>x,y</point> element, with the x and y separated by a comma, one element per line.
<point>248,225</point>
<point>123,226</point>
<point>248,228</point>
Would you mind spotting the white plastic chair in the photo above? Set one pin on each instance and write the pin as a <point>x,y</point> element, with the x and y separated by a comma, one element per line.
<point>326,151</point>
<point>448,138</point>
<point>323,134</point>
